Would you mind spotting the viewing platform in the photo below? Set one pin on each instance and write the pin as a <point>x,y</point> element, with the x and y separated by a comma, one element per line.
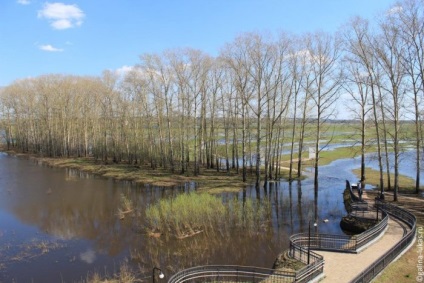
<point>345,267</point>
<point>330,258</point>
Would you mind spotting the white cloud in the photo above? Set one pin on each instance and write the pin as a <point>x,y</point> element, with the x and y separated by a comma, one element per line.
<point>124,70</point>
<point>62,16</point>
<point>23,2</point>
<point>395,10</point>
<point>50,48</point>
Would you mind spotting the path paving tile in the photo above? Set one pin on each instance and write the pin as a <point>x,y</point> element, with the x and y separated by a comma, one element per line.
<point>343,267</point>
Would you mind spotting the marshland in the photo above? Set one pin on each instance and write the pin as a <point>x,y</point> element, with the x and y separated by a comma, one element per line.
<point>190,159</point>
<point>75,225</point>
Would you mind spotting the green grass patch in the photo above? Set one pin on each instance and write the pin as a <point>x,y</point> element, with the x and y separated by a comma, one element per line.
<point>189,214</point>
<point>372,177</point>
<point>328,156</point>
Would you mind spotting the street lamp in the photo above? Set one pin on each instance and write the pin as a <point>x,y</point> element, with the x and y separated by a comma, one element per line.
<point>309,240</point>
<point>161,275</point>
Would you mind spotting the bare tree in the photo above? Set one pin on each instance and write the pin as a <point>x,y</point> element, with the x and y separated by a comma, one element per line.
<point>410,20</point>
<point>324,51</point>
<point>389,50</point>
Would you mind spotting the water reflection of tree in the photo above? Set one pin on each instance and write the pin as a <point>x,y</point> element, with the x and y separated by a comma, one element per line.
<point>87,209</point>
<point>217,249</point>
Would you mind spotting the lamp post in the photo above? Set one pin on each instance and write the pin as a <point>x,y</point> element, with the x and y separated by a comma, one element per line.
<point>161,275</point>
<point>309,240</point>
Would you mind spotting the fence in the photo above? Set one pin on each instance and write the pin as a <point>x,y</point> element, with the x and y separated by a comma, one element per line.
<point>368,274</point>
<point>232,273</point>
<point>301,246</point>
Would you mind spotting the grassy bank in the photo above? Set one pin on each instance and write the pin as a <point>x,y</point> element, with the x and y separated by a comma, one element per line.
<point>405,269</point>
<point>406,184</point>
<point>210,180</point>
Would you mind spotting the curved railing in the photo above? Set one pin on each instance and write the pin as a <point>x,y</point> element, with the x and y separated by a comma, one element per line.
<point>405,216</point>
<point>232,273</point>
<point>301,246</point>
<point>369,235</point>
<point>300,251</point>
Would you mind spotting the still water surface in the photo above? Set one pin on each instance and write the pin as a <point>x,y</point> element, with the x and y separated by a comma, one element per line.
<point>59,225</point>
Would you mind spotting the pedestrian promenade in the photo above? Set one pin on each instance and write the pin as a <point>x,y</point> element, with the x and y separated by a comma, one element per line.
<point>340,265</point>
<point>343,267</point>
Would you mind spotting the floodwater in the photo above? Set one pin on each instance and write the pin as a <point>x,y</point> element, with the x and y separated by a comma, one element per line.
<point>60,225</point>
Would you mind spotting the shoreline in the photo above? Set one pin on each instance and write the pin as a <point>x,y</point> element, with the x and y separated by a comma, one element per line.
<point>210,180</point>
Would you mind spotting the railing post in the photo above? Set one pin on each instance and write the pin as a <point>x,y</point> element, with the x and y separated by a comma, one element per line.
<point>377,211</point>
<point>309,241</point>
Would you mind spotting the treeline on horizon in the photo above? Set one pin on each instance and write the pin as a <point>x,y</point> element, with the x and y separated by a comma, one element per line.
<point>184,110</point>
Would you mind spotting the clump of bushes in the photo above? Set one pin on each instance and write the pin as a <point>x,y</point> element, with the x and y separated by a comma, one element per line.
<point>190,214</point>
<point>186,214</point>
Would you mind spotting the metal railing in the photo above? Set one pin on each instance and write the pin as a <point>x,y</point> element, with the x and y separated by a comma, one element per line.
<point>367,236</point>
<point>352,202</point>
<point>232,273</point>
<point>405,216</point>
<point>301,246</point>
<point>326,242</point>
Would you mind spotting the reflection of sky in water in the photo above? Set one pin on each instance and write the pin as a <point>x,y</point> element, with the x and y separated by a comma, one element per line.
<point>407,164</point>
<point>81,210</point>
<point>342,169</point>
<point>89,256</point>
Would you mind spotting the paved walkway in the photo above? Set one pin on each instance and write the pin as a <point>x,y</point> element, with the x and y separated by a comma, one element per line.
<point>343,267</point>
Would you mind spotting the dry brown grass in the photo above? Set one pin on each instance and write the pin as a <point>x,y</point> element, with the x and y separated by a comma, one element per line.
<point>209,180</point>
<point>125,275</point>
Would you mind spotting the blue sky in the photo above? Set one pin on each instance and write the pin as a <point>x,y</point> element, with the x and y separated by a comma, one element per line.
<point>85,37</point>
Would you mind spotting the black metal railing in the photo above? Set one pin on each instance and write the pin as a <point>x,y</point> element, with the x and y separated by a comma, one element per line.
<point>327,242</point>
<point>352,201</point>
<point>369,235</point>
<point>232,273</point>
<point>312,270</point>
<point>302,246</point>
<point>405,216</point>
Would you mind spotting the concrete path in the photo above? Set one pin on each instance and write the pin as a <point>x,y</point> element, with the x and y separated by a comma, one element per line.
<point>343,267</point>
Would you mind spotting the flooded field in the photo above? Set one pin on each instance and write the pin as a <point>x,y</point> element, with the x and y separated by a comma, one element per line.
<point>60,225</point>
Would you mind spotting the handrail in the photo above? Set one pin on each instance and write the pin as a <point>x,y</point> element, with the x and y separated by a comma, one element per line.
<point>372,233</point>
<point>300,249</point>
<point>342,243</point>
<point>233,272</point>
<point>405,216</point>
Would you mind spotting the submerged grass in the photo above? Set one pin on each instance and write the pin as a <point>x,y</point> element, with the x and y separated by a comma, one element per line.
<point>185,214</point>
<point>209,180</point>
<point>126,206</point>
<point>189,214</point>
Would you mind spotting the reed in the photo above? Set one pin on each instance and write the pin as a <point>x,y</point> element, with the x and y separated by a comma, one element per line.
<point>126,206</point>
<point>190,214</point>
